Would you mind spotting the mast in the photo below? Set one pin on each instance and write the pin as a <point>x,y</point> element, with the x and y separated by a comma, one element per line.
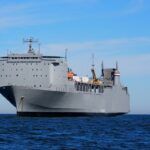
<point>102,67</point>
<point>93,65</point>
<point>66,53</point>
<point>116,65</point>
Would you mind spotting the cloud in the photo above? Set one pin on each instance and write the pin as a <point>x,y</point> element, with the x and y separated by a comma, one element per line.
<point>134,7</point>
<point>29,13</point>
<point>127,51</point>
<point>78,1</point>
<point>128,8</point>
<point>13,8</point>
<point>26,14</point>
<point>99,45</point>
<point>132,65</point>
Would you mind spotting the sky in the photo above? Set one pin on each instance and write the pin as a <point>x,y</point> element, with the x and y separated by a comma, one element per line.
<point>116,30</point>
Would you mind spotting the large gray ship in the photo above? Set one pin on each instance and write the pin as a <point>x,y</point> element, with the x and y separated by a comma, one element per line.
<point>40,85</point>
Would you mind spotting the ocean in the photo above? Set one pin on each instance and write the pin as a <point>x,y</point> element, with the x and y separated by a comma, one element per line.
<point>87,133</point>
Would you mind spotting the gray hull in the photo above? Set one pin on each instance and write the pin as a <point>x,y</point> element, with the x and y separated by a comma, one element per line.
<point>39,85</point>
<point>39,102</point>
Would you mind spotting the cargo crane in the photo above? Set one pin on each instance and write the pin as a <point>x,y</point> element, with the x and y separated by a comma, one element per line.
<point>94,80</point>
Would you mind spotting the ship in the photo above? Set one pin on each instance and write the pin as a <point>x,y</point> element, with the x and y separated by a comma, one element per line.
<point>39,85</point>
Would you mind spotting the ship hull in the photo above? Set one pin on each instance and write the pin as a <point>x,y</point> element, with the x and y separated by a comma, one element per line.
<point>39,102</point>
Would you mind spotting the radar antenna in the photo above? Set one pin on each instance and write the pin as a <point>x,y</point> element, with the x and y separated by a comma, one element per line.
<point>30,41</point>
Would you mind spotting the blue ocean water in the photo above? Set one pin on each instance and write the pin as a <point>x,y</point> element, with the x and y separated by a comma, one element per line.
<point>89,133</point>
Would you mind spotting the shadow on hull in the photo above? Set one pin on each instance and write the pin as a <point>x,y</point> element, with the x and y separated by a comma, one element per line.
<point>8,93</point>
<point>65,114</point>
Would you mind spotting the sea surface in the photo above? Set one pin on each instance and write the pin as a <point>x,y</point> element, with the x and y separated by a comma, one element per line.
<point>89,133</point>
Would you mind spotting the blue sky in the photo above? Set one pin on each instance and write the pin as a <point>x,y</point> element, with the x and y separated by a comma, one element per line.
<point>112,30</point>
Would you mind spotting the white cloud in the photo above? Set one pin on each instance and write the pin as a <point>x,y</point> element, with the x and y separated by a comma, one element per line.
<point>111,44</point>
<point>33,13</point>
<point>134,7</point>
<point>129,8</point>
<point>26,14</point>
<point>131,64</point>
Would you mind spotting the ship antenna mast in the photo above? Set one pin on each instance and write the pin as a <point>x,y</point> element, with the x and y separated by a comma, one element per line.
<point>102,67</point>
<point>30,41</point>
<point>116,65</point>
<point>66,53</point>
<point>39,47</point>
